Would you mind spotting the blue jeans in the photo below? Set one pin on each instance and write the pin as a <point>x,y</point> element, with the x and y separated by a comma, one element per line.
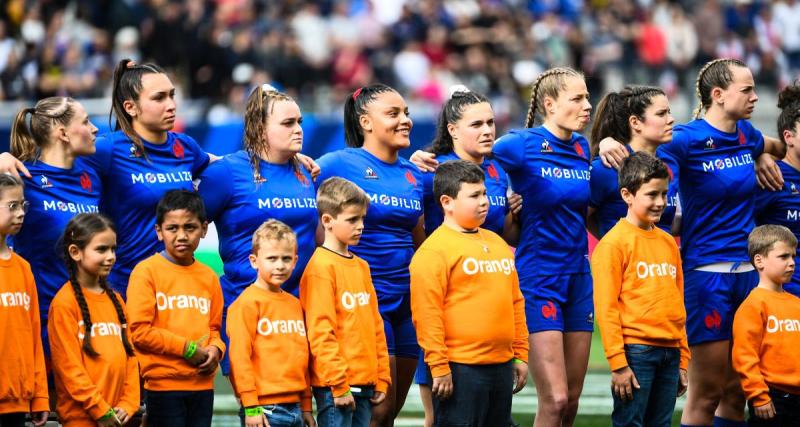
<point>657,370</point>
<point>179,408</point>
<point>481,397</point>
<point>280,415</point>
<point>328,415</point>
<point>787,411</point>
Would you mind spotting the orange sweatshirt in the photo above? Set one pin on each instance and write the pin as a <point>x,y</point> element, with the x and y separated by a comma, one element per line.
<point>23,381</point>
<point>465,300</point>
<point>170,304</point>
<point>766,336</point>
<point>345,329</point>
<point>88,387</point>
<point>638,292</point>
<point>268,349</point>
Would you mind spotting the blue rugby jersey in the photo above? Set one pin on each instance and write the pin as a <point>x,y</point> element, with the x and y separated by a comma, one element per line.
<point>496,190</point>
<point>133,186</point>
<point>238,205</point>
<point>552,176</point>
<point>717,184</point>
<point>395,192</point>
<point>55,195</point>
<point>782,207</point>
<point>608,203</point>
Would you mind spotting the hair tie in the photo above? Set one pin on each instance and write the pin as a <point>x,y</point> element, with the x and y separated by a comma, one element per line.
<point>357,92</point>
<point>130,64</point>
<point>458,89</point>
<point>266,87</point>
<point>30,110</point>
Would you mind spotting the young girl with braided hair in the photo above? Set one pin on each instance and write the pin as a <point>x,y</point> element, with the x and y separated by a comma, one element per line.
<point>96,373</point>
<point>715,155</point>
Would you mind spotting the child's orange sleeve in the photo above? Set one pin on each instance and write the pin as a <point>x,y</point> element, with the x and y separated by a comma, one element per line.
<point>428,289</point>
<point>142,313</point>
<point>607,274</point>
<point>242,318</point>
<point>319,302</point>
<point>384,370</point>
<point>215,324</point>
<point>748,333</point>
<point>41,400</point>
<point>67,358</point>
<point>520,344</point>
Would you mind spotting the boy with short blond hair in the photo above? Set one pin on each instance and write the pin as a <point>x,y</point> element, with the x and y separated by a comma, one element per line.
<point>766,332</point>
<point>638,300</point>
<point>268,339</point>
<point>350,360</point>
<point>467,307</point>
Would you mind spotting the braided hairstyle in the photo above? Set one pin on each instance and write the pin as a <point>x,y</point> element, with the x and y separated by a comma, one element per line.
<point>28,140</point>
<point>549,83</point>
<point>789,103</point>
<point>716,73</point>
<point>452,111</point>
<point>128,86</point>
<point>79,232</point>
<point>614,111</point>
<point>356,106</point>
<point>260,104</point>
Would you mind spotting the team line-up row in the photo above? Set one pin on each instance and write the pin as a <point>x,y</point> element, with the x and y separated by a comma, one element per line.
<point>124,174</point>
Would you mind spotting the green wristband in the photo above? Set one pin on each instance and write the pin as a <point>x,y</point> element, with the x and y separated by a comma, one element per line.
<point>108,415</point>
<point>254,411</point>
<point>518,361</point>
<point>349,393</point>
<point>190,350</point>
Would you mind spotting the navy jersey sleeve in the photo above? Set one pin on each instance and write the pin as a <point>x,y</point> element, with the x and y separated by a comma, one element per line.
<point>764,203</point>
<point>603,183</point>
<point>509,151</point>
<point>100,161</point>
<point>201,158</point>
<point>215,188</point>
<point>676,150</point>
<point>327,165</point>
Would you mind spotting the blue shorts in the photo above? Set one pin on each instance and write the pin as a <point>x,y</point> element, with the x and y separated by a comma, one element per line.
<point>401,337</point>
<point>225,362</point>
<point>711,300</point>
<point>559,302</point>
<point>422,375</point>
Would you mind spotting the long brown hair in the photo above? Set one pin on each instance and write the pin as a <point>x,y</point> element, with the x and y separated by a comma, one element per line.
<point>128,86</point>
<point>259,108</point>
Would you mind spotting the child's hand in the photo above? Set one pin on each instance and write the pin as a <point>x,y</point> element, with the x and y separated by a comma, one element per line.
<point>377,398</point>
<point>766,412</point>
<point>200,355</point>
<point>39,418</point>
<point>122,415</point>
<point>110,422</point>
<point>256,421</point>
<point>346,401</point>
<point>442,387</point>
<point>520,375</point>
<point>209,366</point>
<point>308,419</point>
<point>623,381</point>
<point>683,382</point>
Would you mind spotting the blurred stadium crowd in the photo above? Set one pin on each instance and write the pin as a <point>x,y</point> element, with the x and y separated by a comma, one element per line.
<point>319,50</point>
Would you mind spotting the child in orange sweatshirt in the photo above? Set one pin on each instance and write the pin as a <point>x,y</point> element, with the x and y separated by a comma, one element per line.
<point>467,307</point>
<point>766,332</point>
<point>96,373</point>
<point>350,360</point>
<point>268,343</point>
<point>638,300</point>
<point>175,311</point>
<point>23,381</point>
